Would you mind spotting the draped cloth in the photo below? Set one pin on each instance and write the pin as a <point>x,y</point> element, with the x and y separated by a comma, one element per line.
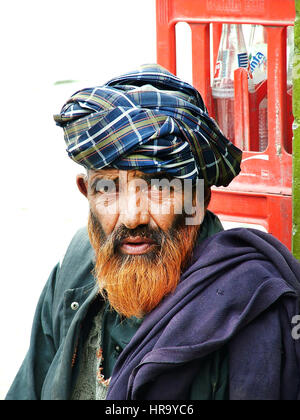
<point>148,120</point>
<point>241,291</point>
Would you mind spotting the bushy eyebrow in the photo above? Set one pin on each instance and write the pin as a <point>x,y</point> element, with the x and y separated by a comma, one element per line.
<point>157,175</point>
<point>148,177</point>
<point>105,176</point>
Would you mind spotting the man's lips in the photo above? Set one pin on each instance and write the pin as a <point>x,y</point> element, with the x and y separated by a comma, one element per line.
<point>136,245</point>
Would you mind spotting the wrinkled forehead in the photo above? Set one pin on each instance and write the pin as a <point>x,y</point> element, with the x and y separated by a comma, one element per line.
<point>113,174</point>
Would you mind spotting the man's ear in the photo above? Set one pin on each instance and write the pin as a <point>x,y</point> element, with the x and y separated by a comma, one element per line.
<point>82,184</point>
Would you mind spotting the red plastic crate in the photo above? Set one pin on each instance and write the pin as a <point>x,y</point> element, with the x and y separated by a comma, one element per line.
<point>262,193</point>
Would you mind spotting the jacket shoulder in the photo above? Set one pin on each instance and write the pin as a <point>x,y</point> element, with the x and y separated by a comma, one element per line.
<point>78,262</point>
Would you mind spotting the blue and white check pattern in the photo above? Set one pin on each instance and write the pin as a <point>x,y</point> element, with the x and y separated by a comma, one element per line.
<point>148,120</point>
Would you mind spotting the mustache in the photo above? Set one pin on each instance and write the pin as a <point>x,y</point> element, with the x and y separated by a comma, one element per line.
<point>122,233</point>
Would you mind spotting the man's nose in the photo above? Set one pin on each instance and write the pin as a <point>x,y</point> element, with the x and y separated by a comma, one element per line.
<point>134,209</point>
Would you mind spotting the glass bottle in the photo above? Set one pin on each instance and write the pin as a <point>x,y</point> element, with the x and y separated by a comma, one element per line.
<point>232,55</point>
<point>259,73</point>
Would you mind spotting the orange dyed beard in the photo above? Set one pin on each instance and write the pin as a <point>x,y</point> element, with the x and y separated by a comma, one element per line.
<point>136,284</point>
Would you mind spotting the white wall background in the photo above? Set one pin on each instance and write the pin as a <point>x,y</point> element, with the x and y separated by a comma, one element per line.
<point>43,42</point>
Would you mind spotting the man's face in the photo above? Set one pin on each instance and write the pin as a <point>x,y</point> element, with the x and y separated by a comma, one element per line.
<point>137,228</point>
<point>131,199</point>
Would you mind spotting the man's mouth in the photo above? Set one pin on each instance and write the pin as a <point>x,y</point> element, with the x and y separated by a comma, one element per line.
<point>137,245</point>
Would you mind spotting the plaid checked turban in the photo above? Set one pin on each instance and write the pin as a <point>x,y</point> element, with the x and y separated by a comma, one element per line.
<point>151,121</point>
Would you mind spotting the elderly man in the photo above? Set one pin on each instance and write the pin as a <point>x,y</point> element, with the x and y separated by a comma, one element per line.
<point>154,300</point>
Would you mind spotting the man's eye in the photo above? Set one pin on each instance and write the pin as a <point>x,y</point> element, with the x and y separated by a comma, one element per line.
<point>159,187</point>
<point>165,186</point>
<point>105,186</point>
<point>156,187</point>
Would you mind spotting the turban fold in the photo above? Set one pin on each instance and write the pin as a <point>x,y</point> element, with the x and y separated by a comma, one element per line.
<point>148,120</point>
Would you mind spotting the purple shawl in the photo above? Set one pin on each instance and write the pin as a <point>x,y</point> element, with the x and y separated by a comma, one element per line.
<point>241,290</point>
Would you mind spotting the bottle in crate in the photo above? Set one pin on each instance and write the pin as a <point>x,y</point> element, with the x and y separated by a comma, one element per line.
<point>232,55</point>
<point>258,74</point>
